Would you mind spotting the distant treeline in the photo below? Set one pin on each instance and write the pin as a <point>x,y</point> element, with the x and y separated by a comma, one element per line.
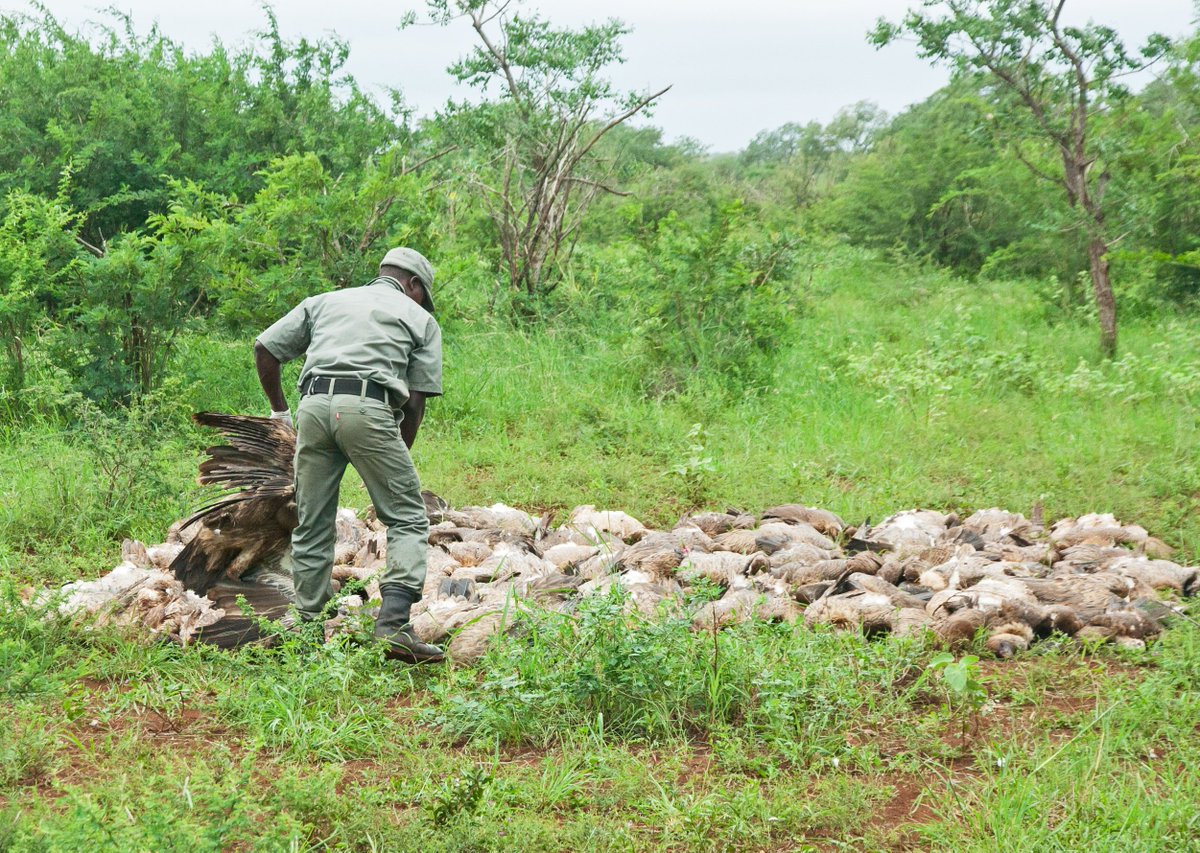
<point>148,191</point>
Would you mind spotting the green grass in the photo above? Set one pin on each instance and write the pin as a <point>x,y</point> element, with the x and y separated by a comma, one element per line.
<point>897,387</point>
<point>772,738</point>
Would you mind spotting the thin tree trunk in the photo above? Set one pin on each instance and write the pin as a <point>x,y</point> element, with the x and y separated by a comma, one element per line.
<point>1106,304</point>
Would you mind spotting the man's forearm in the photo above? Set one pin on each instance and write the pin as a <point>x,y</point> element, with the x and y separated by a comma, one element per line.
<point>414,413</point>
<point>269,377</point>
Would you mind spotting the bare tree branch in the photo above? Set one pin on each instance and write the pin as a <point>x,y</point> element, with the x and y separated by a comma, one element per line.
<point>613,122</point>
<point>478,23</point>
<point>539,188</point>
<point>600,186</point>
<point>95,250</point>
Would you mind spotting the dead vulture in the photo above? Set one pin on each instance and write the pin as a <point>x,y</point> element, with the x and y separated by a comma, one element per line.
<point>246,530</point>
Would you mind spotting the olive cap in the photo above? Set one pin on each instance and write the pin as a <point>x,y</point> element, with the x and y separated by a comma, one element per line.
<point>416,263</point>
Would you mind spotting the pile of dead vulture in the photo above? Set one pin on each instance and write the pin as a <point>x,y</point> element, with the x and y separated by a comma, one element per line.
<point>995,573</point>
<point>222,576</point>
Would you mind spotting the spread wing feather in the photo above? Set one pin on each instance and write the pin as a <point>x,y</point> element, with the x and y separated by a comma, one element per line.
<point>249,526</point>
<point>257,462</point>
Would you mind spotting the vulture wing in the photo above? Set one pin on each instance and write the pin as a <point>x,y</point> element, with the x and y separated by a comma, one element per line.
<point>239,627</point>
<point>250,525</point>
<point>257,462</point>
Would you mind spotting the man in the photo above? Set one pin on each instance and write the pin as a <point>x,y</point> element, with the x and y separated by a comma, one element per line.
<point>373,354</point>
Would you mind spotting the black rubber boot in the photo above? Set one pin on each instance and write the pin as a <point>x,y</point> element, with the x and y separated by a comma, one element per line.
<point>394,628</point>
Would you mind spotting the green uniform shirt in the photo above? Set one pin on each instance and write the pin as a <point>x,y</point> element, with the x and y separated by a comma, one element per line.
<point>371,332</point>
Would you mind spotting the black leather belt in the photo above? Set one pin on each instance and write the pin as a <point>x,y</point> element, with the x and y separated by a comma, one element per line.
<point>344,385</point>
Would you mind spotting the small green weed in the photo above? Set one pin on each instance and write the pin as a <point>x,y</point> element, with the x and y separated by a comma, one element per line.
<point>27,747</point>
<point>962,683</point>
<point>458,795</point>
<point>696,469</point>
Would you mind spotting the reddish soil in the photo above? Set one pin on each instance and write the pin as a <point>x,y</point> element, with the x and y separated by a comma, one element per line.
<point>697,766</point>
<point>1032,702</point>
<point>908,807</point>
<point>1057,708</point>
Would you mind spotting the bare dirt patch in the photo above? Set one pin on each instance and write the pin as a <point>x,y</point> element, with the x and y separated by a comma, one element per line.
<point>907,809</point>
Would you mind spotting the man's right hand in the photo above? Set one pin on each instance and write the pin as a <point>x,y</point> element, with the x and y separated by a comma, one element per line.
<point>285,415</point>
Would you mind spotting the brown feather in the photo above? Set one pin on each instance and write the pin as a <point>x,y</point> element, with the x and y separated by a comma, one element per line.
<point>237,628</point>
<point>251,526</point>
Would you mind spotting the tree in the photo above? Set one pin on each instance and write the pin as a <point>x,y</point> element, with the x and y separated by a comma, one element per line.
<point>797,156</point>
<point>805,161</point>
<point>855,127</point>
<point>538,170</point>
<point>1050,81</point>
<point>934,185</point>
<point>122,111</point>
<point>724,299</point>
<point>308,230</point>
<point>123,310</point>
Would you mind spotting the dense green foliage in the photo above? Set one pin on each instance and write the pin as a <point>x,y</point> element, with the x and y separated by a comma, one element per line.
<point>150,190</point>
<point>124,114</point>
<point>869,315</point>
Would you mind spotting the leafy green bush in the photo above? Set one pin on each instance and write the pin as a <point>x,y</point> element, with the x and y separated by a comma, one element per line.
<point>37,255</point>
<point>458,795</point>
<point>718,303</point>
<point>308,230</point>
<point>126,112</point>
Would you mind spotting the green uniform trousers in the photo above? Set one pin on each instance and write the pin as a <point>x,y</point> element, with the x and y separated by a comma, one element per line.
<point>333,430</point>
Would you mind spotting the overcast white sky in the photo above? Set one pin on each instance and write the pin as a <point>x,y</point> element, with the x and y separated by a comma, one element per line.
<point>737,66</point>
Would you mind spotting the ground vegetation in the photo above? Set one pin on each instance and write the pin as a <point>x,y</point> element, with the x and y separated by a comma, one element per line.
<point>877,313</point>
